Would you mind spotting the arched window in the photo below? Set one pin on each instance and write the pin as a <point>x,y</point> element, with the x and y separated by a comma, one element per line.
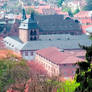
<point>31,33</point>
<point>35,32</point>
<point>31,38</point>
<point>35,38</point>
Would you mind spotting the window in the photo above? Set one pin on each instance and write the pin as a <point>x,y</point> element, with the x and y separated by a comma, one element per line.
<point>74,65</point>
<point>31,38</point>
<point>64,64</point>
<point>31,33</point>
<point>31,53</point>
<point>73,72</point>
<point>72,33</point>
<point>35,32</point>
<point>21,52</point>
<point>87,23</point>
<point>12,45</point>
<point>35,38</point>
<point>65,73</point>
<point>26,53</point>
<point>54,70</point>
<point>9,44</point>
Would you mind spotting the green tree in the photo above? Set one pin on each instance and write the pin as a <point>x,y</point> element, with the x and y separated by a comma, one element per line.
<point>76,11</point>
<point>59,3</point>
<point>13,73</point>
<point>84,72</point>
<point>70,13</point>
<point>68,86</point>
<point>88,5</point>
<point>29,10</point>
<point>43,84</point>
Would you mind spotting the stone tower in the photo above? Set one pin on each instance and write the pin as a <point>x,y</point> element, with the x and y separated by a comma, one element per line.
<point>28,30</point>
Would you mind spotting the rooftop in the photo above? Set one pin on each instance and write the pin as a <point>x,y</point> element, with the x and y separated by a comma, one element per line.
<point>83,14</point>
<point>52,23</point>
<point>59,41</point>
<point>64,41</point>
<point>58,57</point>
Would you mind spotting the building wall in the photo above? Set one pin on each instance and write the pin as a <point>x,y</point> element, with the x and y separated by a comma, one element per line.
<point>28,55</point>
<point>52,69</point>
<point>23,35</point>
<point>64,70</point>
<point>68,70</point>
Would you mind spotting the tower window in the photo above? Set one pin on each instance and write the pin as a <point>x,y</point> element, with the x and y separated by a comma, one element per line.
<point>31,38</point>
<point>35,32</point>
<point>35,38</point>
<point>31,33</point>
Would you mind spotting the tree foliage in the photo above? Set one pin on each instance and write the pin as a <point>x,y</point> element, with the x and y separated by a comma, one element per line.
<point>76,11</point>
<point>84,72</point>
<point>12,73</point>
<point>88,5</point>
<point>43,84</point>
<point>70,13</point>
<point>59,3</point>
<point>68,86</point>
<point>29,10</point>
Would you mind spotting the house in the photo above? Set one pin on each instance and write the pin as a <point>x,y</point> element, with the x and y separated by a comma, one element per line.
<point>9,26</point>
<point>58,62</point>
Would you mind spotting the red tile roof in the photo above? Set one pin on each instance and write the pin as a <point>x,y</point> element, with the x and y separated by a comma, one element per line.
<point>54,55</point>
<point>82,14</point>
<point>84,27</point>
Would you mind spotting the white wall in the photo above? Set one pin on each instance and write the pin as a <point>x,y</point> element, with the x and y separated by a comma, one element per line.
<point>29,56</point>
<point>48,65</point>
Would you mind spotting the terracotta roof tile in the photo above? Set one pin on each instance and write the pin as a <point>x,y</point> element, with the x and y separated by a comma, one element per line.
<point>54,55</point>
<point>82,14</point>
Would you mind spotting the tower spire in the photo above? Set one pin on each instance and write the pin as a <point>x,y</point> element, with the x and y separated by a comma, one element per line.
<point>23,14</point>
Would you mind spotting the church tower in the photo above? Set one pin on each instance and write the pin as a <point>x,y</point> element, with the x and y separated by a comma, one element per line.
<point>28,30</point>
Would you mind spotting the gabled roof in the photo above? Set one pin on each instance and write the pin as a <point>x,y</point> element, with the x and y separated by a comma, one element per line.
<point>67,57</point>
<point>51,23</point>
<point>55,22</point>
<point>13,43</point>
